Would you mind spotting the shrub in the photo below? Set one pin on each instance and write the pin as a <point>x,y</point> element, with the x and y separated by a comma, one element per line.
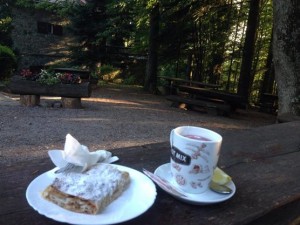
<point>8,62</point>
<point>109,73</point>
<point>105,69</point>
<point>130,80</point>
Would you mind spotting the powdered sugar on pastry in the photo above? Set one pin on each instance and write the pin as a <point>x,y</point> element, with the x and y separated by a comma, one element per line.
<point>90,191</point>
<point>93,184</point>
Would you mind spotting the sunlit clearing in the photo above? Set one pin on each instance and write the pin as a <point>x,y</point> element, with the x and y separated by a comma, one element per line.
<point>112,101</point>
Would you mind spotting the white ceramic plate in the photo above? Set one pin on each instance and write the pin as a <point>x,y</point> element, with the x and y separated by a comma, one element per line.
<point>138,198</point>
<point>208,197</point>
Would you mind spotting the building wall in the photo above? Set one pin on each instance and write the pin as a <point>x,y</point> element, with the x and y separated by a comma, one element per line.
<point>38,49</point>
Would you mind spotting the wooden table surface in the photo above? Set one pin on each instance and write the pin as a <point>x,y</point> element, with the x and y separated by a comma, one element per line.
<point>263,162</point>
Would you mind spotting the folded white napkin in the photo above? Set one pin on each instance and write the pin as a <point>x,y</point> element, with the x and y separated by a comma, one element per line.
<point>79,155</point>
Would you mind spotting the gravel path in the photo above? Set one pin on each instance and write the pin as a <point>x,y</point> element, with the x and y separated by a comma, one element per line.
<point>113,117</point>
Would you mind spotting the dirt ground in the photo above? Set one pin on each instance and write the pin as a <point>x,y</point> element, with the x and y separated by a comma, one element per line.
<point>114,117</point>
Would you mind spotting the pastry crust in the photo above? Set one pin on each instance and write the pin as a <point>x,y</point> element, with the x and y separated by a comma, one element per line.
<point>88,192</point>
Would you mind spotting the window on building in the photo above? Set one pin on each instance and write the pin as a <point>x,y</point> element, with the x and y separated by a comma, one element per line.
<point>48,28</point>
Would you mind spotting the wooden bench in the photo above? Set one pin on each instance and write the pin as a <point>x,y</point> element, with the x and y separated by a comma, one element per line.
<point>221,107</point>
<point>225,103</point>
<point>173,82</point>
<point>205,95</point>
<point>30,92</point>
<point>234,100</point>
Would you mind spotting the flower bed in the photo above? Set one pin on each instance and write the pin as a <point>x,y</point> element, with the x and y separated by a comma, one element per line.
<point>32,86</point>
<point>49,77</point>
<point>22,86</point>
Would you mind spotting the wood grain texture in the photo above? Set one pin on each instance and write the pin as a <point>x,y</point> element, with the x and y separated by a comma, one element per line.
<point>263,162</point>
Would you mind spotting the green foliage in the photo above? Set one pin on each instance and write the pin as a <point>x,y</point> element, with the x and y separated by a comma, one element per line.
<point>109,73</point>
<point>195,34</point>
<point>106,69</point>
<point>88,22</point>
<point>5,31</point>
<point>129,80</point>
<point>8,62</point>
<point>199,38</point>
<point>119,24</point>
<point>48,78</point>
<point>99,27</point>
<point>5,23</point>
<point>171,70</point>
<point>25,3</point>
<point>60,7</point>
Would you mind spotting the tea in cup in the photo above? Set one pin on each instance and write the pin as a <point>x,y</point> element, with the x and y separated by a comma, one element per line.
<point>194,156</point>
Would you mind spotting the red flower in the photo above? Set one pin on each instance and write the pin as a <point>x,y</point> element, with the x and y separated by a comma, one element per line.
<point>26,73</point>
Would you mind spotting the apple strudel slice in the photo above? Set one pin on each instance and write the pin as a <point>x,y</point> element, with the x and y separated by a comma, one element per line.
<point>88,192</point>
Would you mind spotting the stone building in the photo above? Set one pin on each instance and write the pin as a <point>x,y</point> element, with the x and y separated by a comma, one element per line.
<point>40,38</point>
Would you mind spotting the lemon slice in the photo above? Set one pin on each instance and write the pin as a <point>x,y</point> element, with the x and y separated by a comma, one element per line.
<point>220,177</point>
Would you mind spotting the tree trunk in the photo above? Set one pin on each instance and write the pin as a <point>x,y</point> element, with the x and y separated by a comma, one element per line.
<point>286,51</point>
<point>151,71</point>
<point>246,77</point>
<point>189,66</point>
<point>268,77</point>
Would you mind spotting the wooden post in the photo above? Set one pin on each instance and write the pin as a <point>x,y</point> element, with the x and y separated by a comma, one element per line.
<point>30,100</point>
<point>71,103</point>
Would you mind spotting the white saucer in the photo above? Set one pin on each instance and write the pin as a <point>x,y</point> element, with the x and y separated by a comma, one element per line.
<point>208,197</point>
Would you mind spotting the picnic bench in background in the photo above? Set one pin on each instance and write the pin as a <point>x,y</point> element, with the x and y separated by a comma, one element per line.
<point>204,95</point>
<point>172,83</point>
<point>30,92</point>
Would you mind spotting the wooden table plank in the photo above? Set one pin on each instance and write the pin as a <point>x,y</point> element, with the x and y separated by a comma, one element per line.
<point>264,166</point>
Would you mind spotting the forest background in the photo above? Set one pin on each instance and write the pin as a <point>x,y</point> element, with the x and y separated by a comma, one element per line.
<point>226,42</point>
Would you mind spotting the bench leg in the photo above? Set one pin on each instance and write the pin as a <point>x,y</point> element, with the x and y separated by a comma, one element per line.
<point>30,100</point>
<point>71,103</point>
